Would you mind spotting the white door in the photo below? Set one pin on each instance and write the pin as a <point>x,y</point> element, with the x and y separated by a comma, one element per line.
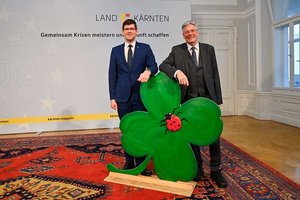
<point>222,40</point>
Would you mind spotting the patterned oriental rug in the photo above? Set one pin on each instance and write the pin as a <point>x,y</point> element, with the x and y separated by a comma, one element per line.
<point>73,167</point>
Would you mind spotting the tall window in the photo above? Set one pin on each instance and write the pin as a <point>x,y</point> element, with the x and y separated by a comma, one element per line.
<point>282,57</point>
<point>297,55</point>
<point>287,55</point>
<point>286,16</point>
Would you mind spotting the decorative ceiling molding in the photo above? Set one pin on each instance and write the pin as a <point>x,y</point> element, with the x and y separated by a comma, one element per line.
<point>228,15</point>
<point>215,2</point>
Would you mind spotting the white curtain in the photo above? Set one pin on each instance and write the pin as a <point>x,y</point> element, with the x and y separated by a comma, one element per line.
<point>280,9</point>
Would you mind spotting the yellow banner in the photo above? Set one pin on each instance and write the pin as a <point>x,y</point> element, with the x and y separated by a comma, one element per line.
<point>43,119</point>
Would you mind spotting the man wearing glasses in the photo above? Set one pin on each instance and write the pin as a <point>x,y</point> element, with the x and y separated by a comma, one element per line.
<point>131,64</point>
<point>194,65</point>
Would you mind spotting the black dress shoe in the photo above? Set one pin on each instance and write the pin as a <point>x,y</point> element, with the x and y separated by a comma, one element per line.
<point>200,175</point>
<point>146,172</point>
<point>218,178</point>
<point>128,166</point>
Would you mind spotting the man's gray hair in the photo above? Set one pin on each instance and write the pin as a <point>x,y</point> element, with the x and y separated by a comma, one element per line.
<point>188,23</point>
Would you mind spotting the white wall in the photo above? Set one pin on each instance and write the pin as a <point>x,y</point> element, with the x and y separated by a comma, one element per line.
<point>254,92</point>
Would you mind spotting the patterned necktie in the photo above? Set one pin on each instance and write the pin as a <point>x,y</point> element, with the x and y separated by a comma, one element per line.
<point>194,55</point>
<point>129,55</point>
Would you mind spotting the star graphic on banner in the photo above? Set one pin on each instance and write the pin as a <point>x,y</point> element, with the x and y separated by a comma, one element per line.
<point>31,25</point>
<point>24,125</point>
<point>4,14</point>
<point>47,103</point>
<point>57,76</point>
<point>4,105</point>
<point>4,73</point>
<point>52,48</point>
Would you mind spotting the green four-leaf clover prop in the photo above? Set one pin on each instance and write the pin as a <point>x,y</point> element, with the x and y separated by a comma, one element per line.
<point>165,132</point>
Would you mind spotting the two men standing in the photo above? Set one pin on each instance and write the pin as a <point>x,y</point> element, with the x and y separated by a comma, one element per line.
<point>192,63</point>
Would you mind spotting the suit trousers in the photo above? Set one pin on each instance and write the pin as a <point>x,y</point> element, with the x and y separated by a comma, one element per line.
<point>215,155</point>
<point>214,150</point>
<point>134,104</point>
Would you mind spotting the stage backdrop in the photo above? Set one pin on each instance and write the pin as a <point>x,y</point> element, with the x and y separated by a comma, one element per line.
<point>54,58</point>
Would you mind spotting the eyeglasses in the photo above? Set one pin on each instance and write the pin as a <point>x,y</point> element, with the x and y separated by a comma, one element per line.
<point>129,29</point>
<point>189,31</point>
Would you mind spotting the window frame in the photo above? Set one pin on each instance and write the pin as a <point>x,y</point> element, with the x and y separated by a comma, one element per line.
<point>289,22</point>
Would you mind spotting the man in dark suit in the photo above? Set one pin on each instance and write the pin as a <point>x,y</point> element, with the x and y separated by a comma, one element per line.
<point>194,65</point>
<point>130,64</point>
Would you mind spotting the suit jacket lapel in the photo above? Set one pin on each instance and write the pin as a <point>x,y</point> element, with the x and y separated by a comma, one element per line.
<point>136,53</point>
<point>203,56</point>
<point>122,56</point>
<point>121,49</point>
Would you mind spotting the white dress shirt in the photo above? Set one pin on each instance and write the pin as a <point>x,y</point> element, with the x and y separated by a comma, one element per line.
<point>126,49</point>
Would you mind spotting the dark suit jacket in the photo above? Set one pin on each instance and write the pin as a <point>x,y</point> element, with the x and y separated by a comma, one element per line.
<point>123,79</point>
<point>180,58</point>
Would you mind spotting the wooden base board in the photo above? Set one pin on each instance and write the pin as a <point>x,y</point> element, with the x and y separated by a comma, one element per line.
<point>153,183</point>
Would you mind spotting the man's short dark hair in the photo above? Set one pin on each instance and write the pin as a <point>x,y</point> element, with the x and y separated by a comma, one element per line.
<point>129,22</point>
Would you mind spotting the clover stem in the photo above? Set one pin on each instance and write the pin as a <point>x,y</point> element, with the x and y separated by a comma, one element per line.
<point>135,171</point>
